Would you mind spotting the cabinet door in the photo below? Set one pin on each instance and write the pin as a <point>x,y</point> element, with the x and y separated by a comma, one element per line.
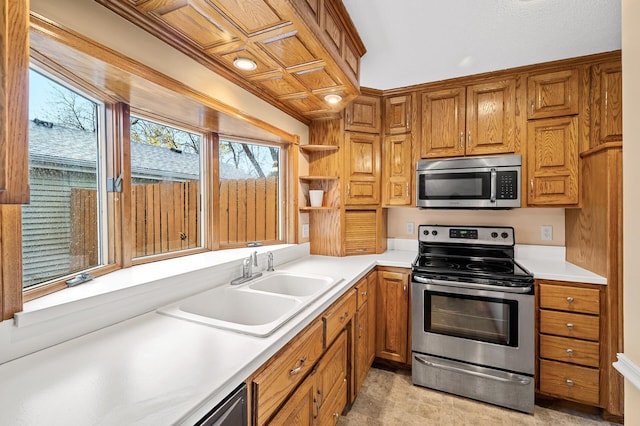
<point>397,114</point>
<point>361,345</point>
<point>398,171</point>
<point>443,123</point>
<point>372,286</point>
<point>331,379</point>
<point>300,409</point>
<point>14,102</point>
<point>363,115</point>
<point>553,161</point>
<point>362,162</point>
<point>491,118</point>
<point>360,236</point>
<point>392,311</point>
<point>552,94</point>
<point>607,103</point>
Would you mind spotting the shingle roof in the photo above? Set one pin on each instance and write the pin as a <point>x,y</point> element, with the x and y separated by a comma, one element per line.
<point>69,146</point>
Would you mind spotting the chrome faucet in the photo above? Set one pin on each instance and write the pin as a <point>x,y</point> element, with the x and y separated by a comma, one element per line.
<point>269,262</point>
<point>247,269</point>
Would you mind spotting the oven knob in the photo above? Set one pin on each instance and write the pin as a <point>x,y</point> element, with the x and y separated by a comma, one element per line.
<point>434,232</point>
<point>425,232</point>
<point>504,235</point>
<point>494,235</point>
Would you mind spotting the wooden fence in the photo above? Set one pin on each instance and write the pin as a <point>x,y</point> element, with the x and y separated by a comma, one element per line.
<point>249,210</point>
<point>165,217</point>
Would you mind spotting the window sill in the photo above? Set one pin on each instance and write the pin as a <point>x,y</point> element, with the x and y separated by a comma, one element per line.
<point>172,279</point>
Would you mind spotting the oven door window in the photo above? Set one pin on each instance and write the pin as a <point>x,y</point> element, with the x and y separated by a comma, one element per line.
<point>472,317</point>
<point>453,186</point>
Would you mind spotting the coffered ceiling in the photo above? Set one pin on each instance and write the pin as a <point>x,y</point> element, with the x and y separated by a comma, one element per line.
<point>419,41</point>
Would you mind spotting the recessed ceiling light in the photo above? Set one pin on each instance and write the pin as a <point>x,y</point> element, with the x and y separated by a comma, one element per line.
<point>245,64</point>
<point>333,98</point>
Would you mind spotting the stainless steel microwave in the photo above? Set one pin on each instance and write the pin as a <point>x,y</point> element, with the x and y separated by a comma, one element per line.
<point>473,183</point>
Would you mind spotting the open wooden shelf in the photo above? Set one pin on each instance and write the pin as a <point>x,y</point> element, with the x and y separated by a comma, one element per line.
<point>310,178</point>
<point>318,148</point>
<point>308,208</point>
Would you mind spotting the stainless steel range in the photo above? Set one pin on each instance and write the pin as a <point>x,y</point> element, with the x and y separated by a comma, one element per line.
<point>473,316</point>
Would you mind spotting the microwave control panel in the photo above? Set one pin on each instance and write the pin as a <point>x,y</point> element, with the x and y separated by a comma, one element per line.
<point>507,185</point>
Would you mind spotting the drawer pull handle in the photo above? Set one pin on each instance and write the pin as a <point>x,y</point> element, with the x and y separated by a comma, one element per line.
<point>569,382</point>
<point>344,316</point>
<point>364,294</point>
<point>570,326</point>
<point>570,352</point>
<point>570,299</point>
<point>296,370</point>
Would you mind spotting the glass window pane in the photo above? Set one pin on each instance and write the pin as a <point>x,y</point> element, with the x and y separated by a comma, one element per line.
<point>249,192</point>
<point>165,199</point>
<point>60,226</point>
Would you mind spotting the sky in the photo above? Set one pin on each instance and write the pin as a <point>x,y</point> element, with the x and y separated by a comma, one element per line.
<point>39,89</point>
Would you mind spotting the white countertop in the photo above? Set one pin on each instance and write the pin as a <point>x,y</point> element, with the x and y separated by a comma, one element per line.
<point>154,369</point>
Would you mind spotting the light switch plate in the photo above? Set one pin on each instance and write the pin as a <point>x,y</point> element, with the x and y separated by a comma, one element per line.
<point>305,230</point>
<point>546,233</point>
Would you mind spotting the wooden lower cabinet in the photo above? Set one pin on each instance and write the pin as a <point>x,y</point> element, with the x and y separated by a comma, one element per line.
<point>392,315</point>
<point>365,328</point>
<point>569,341</point>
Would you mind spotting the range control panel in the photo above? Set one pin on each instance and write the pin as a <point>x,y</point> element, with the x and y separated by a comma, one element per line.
<point>488,235</point>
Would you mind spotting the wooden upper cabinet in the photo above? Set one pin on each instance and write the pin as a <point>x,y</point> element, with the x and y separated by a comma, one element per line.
<point>474,120</point>
<point>302,49</point>
<point>606,124</point>
<point>362,168</point>
<point>491,118</point>
<point>363,115</point>
<point>443,126</point>
<point>397,171</point>
<point>552,159</point>
<point>552,94</point>
<point>14,103</point>
<point>398,111</point>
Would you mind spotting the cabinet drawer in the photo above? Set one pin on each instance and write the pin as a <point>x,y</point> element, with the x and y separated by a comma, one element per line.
<point>570,381</point>
<point>572,299</point>
<point>272,386</point>
<point>362,289</point>
<point>570,350</point>
<point>570,325</point>
<point>337,316</point>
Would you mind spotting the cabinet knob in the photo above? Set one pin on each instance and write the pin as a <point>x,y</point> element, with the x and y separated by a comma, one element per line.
<point>569,382</point>
<point>469,139</point>
<point>570,352</point>
<point>364,294</point>
<point>533,107</point>
<point>570,299</point>
<point>344,316</point>
<point>531,187</point>
<point>461,140</point>
<point>570,326</point>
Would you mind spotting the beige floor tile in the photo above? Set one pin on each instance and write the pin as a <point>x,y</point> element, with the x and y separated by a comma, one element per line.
<point>388,398</point>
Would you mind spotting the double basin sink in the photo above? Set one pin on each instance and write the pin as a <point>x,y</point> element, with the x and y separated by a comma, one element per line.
<point>258,307</point>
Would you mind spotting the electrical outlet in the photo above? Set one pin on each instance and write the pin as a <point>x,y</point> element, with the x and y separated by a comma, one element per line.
<point>546,233</point>
<point>409,228</point>
<point>305,230</point>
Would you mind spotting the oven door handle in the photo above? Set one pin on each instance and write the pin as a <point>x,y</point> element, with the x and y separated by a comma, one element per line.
<point>522,290</point>
<point>508,377</point>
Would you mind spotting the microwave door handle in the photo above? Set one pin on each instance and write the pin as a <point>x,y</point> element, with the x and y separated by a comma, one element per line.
<point>494,178</point>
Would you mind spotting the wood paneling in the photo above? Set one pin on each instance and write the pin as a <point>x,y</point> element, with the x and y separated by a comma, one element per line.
<point>552,158</point>
<point>282,37</point>
<point>361,232</point>
<point>14,101</point>
<point>10,260</point>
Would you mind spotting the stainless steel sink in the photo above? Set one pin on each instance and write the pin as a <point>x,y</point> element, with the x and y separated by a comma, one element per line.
<point>257,308</point>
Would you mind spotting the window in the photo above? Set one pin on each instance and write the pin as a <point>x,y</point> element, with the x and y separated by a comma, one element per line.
<point>165,192</point>
<point>62,225</point>
<point>250,192</point>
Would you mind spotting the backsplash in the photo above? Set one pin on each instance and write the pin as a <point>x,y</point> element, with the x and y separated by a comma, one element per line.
<point>527,222</point>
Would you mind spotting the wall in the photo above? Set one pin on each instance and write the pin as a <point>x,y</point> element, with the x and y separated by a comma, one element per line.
<point>526,222</point>
<point>98,23</point>
<point>631,175</point>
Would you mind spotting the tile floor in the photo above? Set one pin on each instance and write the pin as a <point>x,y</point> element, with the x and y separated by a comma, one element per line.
<point>389,398</point>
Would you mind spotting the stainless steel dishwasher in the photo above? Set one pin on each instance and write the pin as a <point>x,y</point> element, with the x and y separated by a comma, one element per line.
<point>232,411</point>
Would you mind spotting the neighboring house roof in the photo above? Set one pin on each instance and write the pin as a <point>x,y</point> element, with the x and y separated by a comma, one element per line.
<point>65,146</point>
